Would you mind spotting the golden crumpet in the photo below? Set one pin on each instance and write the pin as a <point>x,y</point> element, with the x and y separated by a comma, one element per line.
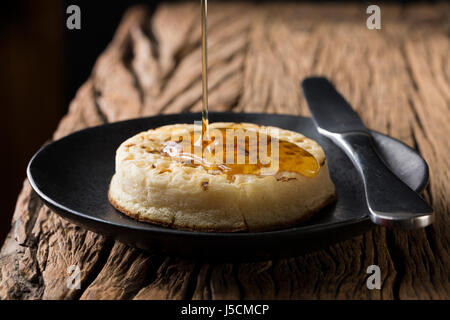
<point>151,186</point>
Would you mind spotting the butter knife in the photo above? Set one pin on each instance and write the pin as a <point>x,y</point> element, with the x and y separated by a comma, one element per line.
<point>390,201</point>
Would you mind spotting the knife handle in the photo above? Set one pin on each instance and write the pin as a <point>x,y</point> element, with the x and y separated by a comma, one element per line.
<point>390,201</point>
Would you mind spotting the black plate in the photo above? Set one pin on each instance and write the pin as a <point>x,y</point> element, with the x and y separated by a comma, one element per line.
<point>72,175</point>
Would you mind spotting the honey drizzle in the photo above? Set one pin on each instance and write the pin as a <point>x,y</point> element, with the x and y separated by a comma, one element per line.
<point>291,157</point>
<point>205,121</point>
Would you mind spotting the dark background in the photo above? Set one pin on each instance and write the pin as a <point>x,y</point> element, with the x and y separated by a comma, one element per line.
<point>42,65</point>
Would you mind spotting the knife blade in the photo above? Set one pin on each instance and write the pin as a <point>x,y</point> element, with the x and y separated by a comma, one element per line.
<point>390,201</point>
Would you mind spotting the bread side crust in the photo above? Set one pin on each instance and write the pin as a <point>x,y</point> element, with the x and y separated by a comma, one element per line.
<point>307,215</point>
<point>172,225</point>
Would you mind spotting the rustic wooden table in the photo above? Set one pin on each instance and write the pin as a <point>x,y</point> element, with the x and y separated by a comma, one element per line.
<point>398,78</point>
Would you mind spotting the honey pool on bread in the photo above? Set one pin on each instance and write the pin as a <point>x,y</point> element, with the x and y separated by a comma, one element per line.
<point>245,148</point>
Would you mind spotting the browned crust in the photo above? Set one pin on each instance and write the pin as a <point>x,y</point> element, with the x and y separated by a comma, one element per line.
<point>167,225</point>
<point>302,219</point>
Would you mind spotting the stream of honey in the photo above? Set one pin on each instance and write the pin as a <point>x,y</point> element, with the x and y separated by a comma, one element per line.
<point>205,121</point>
<point>246,157</point>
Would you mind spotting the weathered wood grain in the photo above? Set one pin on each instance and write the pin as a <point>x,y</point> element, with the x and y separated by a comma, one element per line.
<point>398,78</point>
